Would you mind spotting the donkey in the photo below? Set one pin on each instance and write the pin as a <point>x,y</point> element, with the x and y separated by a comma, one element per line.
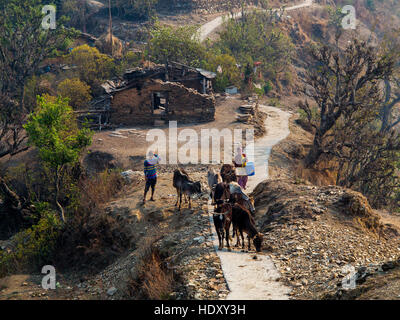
<point>222,222</point>
<point>243,221</point>
<point>228,173</point>
<point>185,186</point>
<point>213,178</point>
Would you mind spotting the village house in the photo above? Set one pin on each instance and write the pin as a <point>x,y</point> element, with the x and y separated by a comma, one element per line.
<point>162,93</point>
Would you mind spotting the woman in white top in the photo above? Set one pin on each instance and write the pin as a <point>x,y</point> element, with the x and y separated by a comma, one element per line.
<point>240,161</point>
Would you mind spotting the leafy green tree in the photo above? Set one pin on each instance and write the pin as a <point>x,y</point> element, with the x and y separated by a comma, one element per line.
<point>226,68</point>
<point>24,44</point>
<point>256,37</point>
<point>53,129</point>
<point>179,44</point>
<point>77,91</point>
<point>93,66</point>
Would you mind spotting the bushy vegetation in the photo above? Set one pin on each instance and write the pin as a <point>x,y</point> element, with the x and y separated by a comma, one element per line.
<point>138,9</point>
<point>92,65</point>
<point>90,239</point>
<point>255,37</point>
<point>24,45</point>
<point>178,44</point>
<point>226,68</point>
<point>153,280</point>
<point>76,91</point>
<point>53,129</point>
<point>34,247</point>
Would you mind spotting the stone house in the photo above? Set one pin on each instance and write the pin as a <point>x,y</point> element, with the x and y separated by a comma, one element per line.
<point>163,93</point>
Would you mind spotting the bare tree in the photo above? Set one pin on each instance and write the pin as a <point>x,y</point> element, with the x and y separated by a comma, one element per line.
<point>342,82</point>
<point>391,46</point>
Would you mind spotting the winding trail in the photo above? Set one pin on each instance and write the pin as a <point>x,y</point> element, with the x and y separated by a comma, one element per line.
<point>249,278</point>
<point>209,27</point>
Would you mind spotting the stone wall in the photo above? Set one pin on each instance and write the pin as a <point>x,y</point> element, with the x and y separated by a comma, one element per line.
<point>134,105</point>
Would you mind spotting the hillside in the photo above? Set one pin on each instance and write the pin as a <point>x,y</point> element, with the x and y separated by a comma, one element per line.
<point>72,180</point>
<point>314,232</point>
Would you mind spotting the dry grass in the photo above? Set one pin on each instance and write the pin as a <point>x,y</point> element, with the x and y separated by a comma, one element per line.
<point>93,239</point>
<point>158,283</point>
<point>307,21</point>
<point>152,279</point>
<point>322,175</point>
<point>100,188</point>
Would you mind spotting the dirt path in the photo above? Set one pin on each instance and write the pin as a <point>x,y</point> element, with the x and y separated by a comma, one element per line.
<point>249,278</point>
<point>277,127</point>
<point>208,28</point>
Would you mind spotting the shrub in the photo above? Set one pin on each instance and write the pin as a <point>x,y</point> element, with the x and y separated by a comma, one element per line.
<point>92,238</point>
<point>91,65</point>
<point>152,279</point>
<point>267,86</point>
<point>256,37</point>
<point>34,247</point>
<point>370,4</point>
<point>77,91</point>
<point>259,91</point>
<point>178,44</point>
<point>129,60</point>
<point>230,74</point>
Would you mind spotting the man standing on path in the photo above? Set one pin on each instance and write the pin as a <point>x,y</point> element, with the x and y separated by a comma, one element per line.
<point>150,173</point>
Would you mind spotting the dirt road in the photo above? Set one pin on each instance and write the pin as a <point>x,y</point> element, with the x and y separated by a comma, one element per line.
<point>249,278</point>
<point>207,29</point>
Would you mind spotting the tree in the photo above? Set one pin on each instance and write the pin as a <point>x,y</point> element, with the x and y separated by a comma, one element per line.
<point>179,44</point>
<point>24,44</point>
<point>391,46</point>
<point>343,82</point>
<point>77,91</point>
<point>77,11</point>
<point>230,73</point>
<point>256,37</point>
<point>141,9</point>
<point>53,129</point>
<point>346,86</point>
<point>92,66</point>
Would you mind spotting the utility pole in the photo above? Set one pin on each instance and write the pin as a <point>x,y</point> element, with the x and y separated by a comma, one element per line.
<point>110,27</point>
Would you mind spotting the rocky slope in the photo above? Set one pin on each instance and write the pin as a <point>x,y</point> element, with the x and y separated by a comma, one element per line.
<point>182,241</point>
<point>315,233</point>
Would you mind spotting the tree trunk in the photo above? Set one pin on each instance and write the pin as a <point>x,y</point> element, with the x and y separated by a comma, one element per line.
<point>315,152</point>
<point>11,199</point>
<point>57,191</point>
